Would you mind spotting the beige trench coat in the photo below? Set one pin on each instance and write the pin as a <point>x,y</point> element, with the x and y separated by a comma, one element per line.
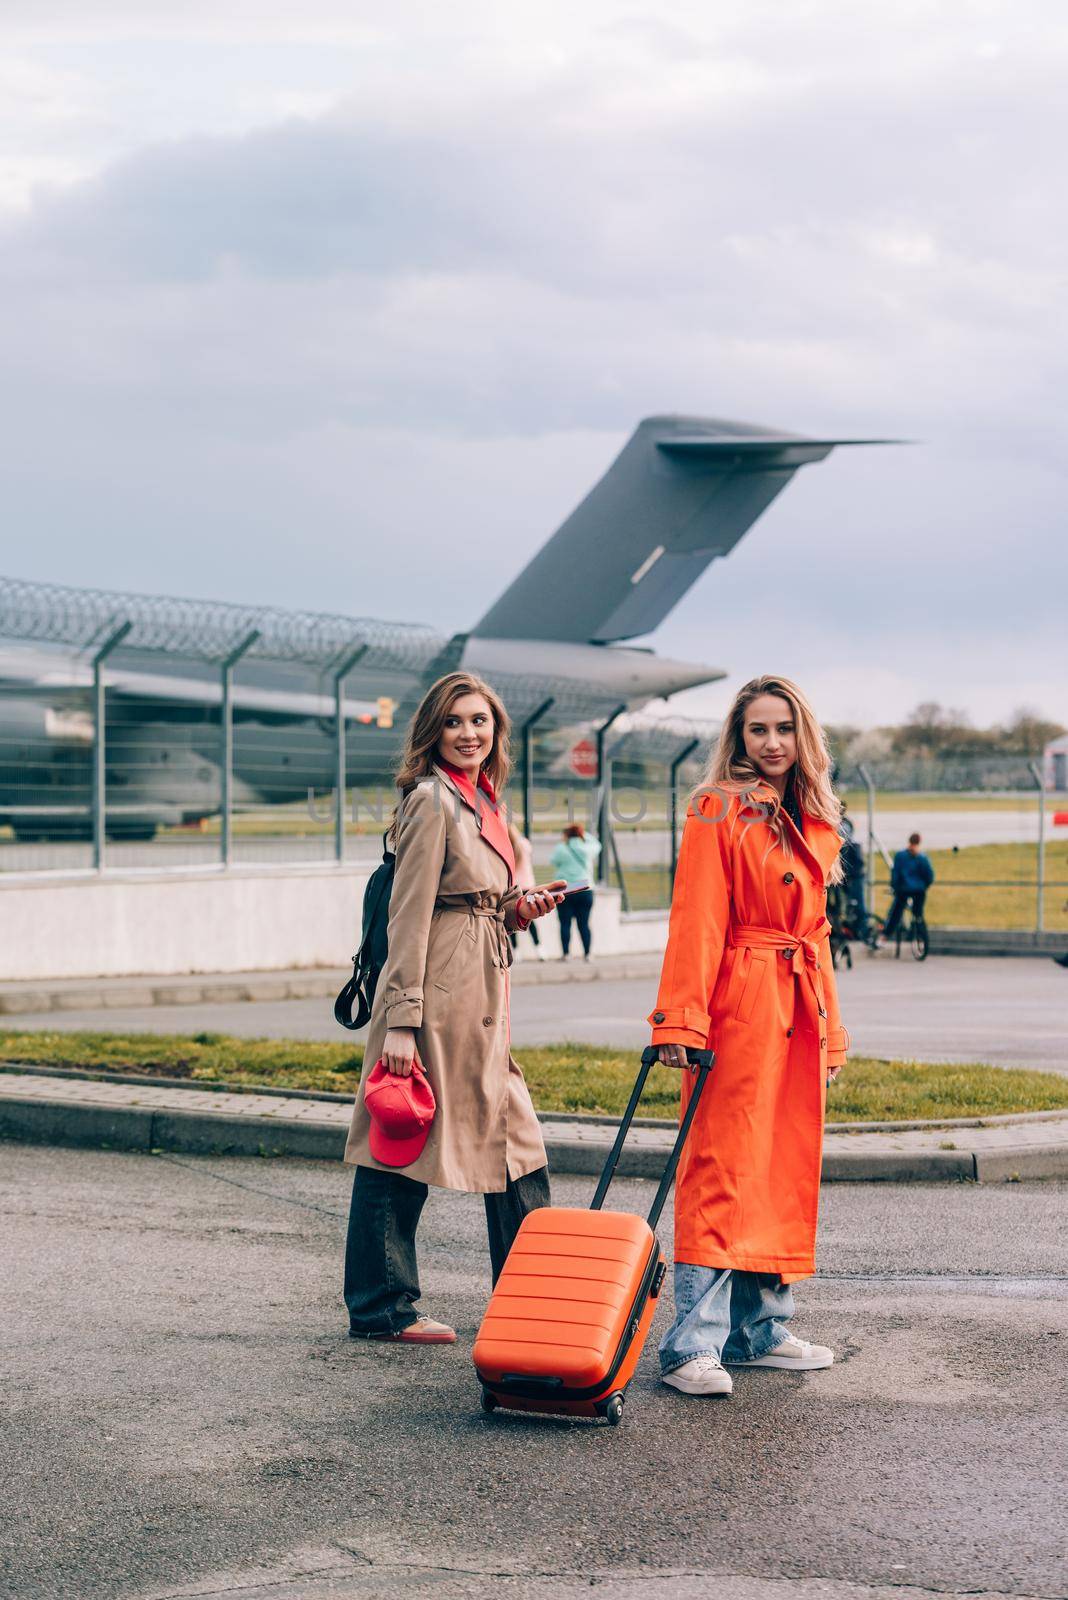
<point>450,912</point>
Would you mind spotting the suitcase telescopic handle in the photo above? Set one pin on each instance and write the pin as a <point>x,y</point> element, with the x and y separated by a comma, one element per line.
<point>699,1060</point>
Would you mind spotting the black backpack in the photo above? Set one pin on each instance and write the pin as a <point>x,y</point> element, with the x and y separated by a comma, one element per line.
<point>352,1008</point>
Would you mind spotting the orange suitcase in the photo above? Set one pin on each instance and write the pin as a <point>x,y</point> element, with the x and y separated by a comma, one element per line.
<point>572,1308</point>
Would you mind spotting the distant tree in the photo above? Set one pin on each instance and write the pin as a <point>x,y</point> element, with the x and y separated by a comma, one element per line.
<point>841,737</point>
<point>938,732</point>
<point>1027,733</point>
<point>873,744</point>
<point>935,730</point>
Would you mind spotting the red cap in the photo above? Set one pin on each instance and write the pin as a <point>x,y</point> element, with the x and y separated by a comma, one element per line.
<point>401,1111</point>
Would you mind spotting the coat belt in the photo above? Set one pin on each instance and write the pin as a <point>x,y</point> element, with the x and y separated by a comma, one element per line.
<point>803,953</point>
<point>494,914</point>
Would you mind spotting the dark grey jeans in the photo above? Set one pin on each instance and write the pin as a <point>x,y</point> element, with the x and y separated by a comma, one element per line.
<point>576,908</point>
<point>381,1271</point>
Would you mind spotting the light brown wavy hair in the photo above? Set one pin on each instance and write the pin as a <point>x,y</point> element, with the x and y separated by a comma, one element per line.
<point>731,772</point>
<point>420,748</point>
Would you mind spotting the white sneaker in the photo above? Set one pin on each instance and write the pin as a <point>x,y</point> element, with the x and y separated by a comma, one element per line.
<point>702,1375</point>
<point>796,1355</point>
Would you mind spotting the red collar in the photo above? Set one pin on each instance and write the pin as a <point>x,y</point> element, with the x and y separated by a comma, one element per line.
<point>491,822</point>
<point>464,780</point>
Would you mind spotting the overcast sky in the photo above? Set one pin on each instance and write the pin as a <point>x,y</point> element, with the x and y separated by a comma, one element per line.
<point>347,313</point>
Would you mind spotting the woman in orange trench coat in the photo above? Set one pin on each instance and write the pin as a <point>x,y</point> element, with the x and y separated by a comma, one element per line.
<point>747,972</point>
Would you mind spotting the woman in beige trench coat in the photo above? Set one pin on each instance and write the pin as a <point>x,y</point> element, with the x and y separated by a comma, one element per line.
<point>443,999</point>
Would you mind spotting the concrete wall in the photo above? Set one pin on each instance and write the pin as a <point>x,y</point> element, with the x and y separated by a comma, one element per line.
<point>248,919</point>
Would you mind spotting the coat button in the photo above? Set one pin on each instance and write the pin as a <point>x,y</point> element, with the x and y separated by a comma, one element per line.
<point>658,1016</point>
<point>823,1044</point>
<point>788,877</point>
<point>487,1022</point>
<point>789,1033</point>
<point>822,1012</point>
<point>787,955</point>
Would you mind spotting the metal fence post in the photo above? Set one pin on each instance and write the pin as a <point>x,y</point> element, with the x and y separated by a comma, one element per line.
<point>610,837</point>
<point>604,821</point>
<point>340,768</point>
<point>100,776</point>
<point>674,801</point>
<point>527,732</point>
<point>868,782</point>
<point>228,665</point>
<point>1040,904</point>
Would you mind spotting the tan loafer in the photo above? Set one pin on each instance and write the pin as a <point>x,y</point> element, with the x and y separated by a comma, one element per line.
<point>424,1330</point>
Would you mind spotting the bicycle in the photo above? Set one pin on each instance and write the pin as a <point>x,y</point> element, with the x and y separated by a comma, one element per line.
<point>911,930</point>
<point>848,922</point>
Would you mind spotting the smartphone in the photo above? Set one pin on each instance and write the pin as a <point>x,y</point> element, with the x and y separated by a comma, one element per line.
<point>573,888</point>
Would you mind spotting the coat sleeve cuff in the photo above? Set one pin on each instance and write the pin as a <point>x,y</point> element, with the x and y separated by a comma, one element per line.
<point>405,1010</point>
<point>680,1025</point>
<point>513,922</point>
<point>837,1045</point>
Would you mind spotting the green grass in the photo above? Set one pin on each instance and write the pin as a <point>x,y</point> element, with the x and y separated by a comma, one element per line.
<point>566,1077</point>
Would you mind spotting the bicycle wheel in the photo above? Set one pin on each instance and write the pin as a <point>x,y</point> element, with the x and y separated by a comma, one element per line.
<point>920,943</point>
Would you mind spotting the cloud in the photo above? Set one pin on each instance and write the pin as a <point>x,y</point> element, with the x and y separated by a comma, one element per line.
<point>376,325</point>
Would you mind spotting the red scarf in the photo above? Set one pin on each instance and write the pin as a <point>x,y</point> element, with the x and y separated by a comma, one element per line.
<point>492,825</point>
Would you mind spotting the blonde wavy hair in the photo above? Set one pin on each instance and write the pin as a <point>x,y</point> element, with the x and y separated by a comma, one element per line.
<point>420,749</point>
<point>731,772</point>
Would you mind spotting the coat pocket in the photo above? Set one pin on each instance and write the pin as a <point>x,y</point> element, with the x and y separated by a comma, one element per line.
<point>754,968</point>
<point>451,958</point>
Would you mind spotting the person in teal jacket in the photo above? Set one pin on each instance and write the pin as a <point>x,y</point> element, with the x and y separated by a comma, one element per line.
<point>575,860</point>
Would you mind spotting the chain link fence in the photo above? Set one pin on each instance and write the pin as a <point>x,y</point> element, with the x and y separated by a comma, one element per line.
<point>138,733</point>
<point>995,833</point>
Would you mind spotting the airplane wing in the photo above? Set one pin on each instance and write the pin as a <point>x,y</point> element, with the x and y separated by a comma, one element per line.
<point>683,491</point>
<point>72,685</point>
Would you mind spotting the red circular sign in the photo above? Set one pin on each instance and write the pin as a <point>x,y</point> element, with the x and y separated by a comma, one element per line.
<point>584,759</point>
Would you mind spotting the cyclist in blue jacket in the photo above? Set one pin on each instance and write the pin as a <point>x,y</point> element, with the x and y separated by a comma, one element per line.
<point>911,877</point>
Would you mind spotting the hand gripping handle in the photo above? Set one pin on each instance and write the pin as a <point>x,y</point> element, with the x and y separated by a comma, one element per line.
<point>701,1063</point>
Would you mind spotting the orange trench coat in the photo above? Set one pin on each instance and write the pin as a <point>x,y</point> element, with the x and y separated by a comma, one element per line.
<point>747,972</point>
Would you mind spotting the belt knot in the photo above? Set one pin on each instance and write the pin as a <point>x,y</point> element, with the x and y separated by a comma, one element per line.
<point>496,915</point>
<point>801,950</point>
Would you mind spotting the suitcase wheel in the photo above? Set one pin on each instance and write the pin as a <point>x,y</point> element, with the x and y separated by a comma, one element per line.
<point>612,1409</point>
<point>488,1401</point>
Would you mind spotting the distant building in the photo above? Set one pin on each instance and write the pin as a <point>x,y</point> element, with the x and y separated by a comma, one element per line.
<point>1055,764</point>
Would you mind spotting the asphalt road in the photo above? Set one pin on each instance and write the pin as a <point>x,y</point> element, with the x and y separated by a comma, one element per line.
<point>947,1008</point>
<point>1009,1012</point>
<point>184,1414</point>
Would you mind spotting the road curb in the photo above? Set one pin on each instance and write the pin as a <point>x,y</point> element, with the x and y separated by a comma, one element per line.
<point>140,1080</point>
<point>136,993</point>
<point>33,1120</point>
<point>1016,1166</point>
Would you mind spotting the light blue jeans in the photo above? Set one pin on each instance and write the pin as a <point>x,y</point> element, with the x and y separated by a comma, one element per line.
<point>734,1316</point>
